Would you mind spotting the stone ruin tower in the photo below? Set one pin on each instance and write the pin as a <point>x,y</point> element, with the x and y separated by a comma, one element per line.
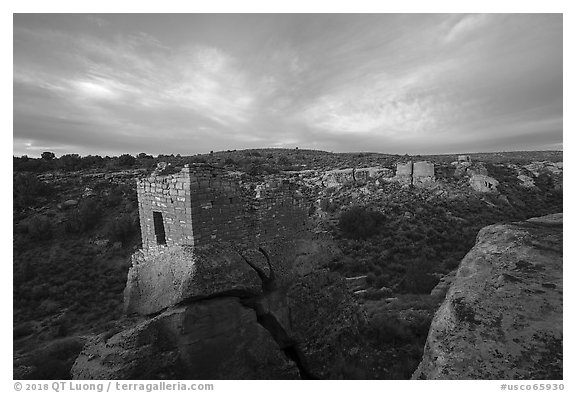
<point>203,205</point>
<point>417,173</point>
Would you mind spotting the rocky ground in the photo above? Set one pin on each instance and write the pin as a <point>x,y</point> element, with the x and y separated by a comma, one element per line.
<point>74,233</point>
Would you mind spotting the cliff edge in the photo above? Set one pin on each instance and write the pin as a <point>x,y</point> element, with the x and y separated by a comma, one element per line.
<point>502,317</point>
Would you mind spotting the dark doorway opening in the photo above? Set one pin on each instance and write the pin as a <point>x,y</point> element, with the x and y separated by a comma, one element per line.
<point>159,228</point>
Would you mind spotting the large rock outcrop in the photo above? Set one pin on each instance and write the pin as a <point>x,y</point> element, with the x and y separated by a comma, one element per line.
<point>211,339</point>
<point>216,313</point>
<point>502,317</point>
<point>162,279</point>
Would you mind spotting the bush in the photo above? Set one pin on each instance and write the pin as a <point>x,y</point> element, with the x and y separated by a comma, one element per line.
<point>121,229</point>
<point>197,160</point>
<point>55,360</point>
<point>113,199</point>
<point>27,189</point>
<point>284,161</point>
<point>40,228</point>
<point>328,206</point>
<point>70,162</point>
<point>23,329</point>
<point>126,160</point>
<point>360,223</point>
<point>388,329</point>
<point>371,279</point>
<point>89,213</point>
<point>83,219</point>
<point>48,155</point>
<point>418,277</point>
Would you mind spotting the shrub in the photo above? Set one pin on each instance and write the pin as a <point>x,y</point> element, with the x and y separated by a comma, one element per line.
<point>371,279</point>
<point>388,329</point>
<point>55,359</point>
<point>113,199</point>
<point>418,277</point>
<point>360,223</point>
<point>23,329</point>
<point>48,155</point>
<point>126,160</point>
<point>40,228</point>
<point>70,162</point>
<point>328,206</point>
<point>284,161</point>
<point>83,219</point>
<point>89,213</point>
<point>27,189</point>
<point>197,160</point>
<point>121,229</point>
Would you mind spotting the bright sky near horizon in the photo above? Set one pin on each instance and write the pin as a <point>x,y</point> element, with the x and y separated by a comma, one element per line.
<point>189,83</point>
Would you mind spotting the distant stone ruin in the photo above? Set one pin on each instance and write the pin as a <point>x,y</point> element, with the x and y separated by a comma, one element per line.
<point>404,172</point>
<point>203,205</point>
<point>418,173</point>
<point>464,158</point>
<point>339,177</point>
<point>483,183</point>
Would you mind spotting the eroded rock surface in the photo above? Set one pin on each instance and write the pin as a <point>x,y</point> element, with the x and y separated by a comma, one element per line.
<point>502,317</point>
<point>212,339</point>
<point>219,314</point>
<point>160,280</point>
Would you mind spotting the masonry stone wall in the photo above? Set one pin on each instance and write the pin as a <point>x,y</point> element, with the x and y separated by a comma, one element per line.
<point>417,173</point>
<point>483,183</point>
<point>423,172</point>
<point>203,205</point>
<point>338,177</point>
<point>404,172</point>
<point>280,213</point>
<point>218,207</point>
<point>169,196</point>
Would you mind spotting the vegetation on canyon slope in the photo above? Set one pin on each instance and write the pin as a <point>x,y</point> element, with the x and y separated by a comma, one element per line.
<point>70,262</point>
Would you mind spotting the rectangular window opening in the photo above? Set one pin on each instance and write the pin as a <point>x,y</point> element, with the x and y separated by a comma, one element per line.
<point>159,228</point>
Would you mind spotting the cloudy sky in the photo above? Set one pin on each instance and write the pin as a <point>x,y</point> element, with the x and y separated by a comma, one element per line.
<point>184,83</point>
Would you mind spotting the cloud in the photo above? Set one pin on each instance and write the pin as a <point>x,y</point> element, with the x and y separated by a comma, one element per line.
<point>465,25</point>
<point>95,90</point>
<point>393,82</point>
<point>208,80</point>
<point>137,73</point>
<point>394,106</point>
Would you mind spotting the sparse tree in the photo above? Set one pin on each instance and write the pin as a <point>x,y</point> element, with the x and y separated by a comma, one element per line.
<point>48,155</point>
<point>126,160</point>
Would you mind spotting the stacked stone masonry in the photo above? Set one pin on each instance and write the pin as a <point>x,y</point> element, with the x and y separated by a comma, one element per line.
<point>417,173</point>
<point>339,177</point>
<point>203,205</point>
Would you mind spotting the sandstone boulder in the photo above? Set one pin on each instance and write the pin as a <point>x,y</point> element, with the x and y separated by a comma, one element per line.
<point>526,181</point>
<point>68,204</point>
<point>210,339</point>
<point>163,279</point>
<point>270,313</point>
<point>440,290</point>
<point>502,317</point>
